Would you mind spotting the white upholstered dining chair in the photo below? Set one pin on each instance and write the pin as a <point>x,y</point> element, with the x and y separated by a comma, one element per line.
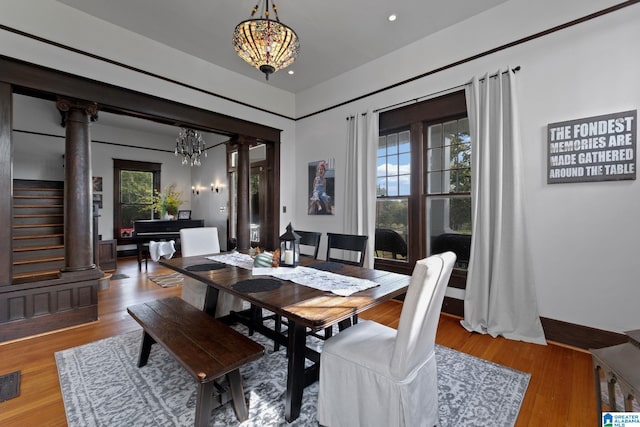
<point>204,241</point>
<point>373,375</point>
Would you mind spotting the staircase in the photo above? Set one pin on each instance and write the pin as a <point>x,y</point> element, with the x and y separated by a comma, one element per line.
<point>38,229</point>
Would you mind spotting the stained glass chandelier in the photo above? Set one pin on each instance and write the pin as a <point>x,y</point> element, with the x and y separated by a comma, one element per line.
<point>266,44</point>
<point>190,145</point>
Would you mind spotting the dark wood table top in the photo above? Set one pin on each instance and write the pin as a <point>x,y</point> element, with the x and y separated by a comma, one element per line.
<point>307,306</point>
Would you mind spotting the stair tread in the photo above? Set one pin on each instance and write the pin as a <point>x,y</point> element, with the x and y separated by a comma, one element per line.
<point>38,274</point>
<point>43,215</point>
<point>37,248</point>
<point>38,225</point>
<point>38,260</point>
<point>38,236</point>
<point>16,187</point>
<point>42,206</point>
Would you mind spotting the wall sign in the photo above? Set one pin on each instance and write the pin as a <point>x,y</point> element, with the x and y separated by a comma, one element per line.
<point>601,148</point>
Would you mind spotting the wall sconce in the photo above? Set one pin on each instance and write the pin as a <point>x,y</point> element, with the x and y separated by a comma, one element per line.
<point>195,190</point>
<point>216,188</point>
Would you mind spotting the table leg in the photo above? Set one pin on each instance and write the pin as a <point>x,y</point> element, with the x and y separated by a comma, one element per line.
<point>596,376</point>
<point>628,403</point>
<point>204,404</point>
<point>145,349</point>
<point>295,374</point>
<point>139,250</point>
<point>211,301</point>
<point>611,386</point>
<point>237,393</point>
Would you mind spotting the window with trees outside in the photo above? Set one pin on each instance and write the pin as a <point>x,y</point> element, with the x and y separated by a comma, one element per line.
<point>134,185</point>
<point>448,192</point>
<point>424,184</point>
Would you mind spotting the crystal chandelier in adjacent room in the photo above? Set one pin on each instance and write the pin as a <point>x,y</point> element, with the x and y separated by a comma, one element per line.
<point>190,145</point>
<point>266,44</point>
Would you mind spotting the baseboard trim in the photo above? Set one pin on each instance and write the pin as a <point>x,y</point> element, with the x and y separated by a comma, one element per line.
<point>565,333</point>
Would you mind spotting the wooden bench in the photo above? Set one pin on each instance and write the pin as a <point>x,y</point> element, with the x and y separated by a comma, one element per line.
<point>207,348</point>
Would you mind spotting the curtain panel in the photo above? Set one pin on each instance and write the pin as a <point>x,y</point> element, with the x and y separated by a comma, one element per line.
<point>500,298</point>
<point>360,179</point>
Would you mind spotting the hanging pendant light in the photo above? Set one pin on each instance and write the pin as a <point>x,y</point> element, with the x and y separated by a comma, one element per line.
<point>190,145</point>
<point>266,44</point>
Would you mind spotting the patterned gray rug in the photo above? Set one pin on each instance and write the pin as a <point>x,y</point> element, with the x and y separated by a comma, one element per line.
<point>102,386</point>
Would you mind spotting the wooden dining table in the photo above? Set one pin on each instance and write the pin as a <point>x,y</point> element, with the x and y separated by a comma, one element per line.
<point>305,308</point>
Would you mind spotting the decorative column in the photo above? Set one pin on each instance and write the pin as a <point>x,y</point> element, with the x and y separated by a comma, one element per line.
<point>6,183</point>
<point>78,204</point>
<point>243,219</point>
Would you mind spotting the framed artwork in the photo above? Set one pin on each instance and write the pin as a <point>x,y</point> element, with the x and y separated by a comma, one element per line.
<point>97,183</point>
<point>321,184</point>
<point>97,198</point>
<point>184,214</point>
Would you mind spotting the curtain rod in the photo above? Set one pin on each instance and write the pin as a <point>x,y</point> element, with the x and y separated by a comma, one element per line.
<point>431,95</point>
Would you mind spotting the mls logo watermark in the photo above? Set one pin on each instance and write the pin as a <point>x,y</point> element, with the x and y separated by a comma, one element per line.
<point>621,419</point>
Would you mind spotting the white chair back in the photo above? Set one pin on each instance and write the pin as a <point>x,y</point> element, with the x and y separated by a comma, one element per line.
<point>199,241</point>
<point>415,341</point>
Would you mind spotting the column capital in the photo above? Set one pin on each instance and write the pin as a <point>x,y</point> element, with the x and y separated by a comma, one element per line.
<point>237,140</point>
<point>66,105</point>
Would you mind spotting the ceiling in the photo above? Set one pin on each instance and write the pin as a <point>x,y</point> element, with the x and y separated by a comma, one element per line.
<point>335,36</point>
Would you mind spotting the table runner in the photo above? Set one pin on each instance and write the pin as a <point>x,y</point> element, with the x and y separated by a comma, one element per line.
<point>322,280</point>
<point>234,258</point>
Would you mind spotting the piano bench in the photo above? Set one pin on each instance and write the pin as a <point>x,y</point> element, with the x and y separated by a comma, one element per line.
<point>143,255</point>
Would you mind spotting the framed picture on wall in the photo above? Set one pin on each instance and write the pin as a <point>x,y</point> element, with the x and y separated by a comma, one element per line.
<point>97,199</point>
<point>321,183</point>
<point>184,214</point>
<point>97,183</point>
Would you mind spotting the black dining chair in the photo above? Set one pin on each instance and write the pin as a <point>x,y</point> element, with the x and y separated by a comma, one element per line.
<point>310,239</point>
<point>348,242</point>
<point>353,244</point>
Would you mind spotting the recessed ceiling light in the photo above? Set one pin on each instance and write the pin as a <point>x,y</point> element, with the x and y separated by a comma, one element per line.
<point>392,17</point>
<point>291,72</point>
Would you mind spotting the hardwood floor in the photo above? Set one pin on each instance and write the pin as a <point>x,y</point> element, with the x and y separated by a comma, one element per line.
<point>560,391</point>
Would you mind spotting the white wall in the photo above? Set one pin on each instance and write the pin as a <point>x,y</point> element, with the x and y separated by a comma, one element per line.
<point>212,206</point>
<point>584,237</point>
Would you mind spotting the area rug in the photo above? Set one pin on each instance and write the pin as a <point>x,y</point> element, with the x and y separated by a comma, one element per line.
<point>102,386</point>
<point>168,280</point>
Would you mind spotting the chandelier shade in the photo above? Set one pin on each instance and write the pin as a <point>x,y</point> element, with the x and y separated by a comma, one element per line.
<point>266,44</point>
<point>190,145</point>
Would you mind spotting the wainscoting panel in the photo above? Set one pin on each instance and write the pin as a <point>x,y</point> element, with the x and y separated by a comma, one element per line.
<point>38,309</point>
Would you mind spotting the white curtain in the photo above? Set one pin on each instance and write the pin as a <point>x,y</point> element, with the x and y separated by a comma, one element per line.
<point>360,179</point>
<point>500,297</point>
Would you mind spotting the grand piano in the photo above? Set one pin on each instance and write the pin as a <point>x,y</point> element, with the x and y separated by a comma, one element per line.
<point>147,230</point>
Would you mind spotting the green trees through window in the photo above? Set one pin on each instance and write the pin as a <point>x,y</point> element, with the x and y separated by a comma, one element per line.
<point>135,183</point>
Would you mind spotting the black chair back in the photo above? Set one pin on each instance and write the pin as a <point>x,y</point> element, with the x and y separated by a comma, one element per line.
<point>388,240</point>
<point>309,238</point>
<point>348,242</point>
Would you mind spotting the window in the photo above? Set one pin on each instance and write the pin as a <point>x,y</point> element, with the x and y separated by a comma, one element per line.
<point>424,183</point>
<point>134,184</point>
<point>448,192</point>
<point>393,191</point>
